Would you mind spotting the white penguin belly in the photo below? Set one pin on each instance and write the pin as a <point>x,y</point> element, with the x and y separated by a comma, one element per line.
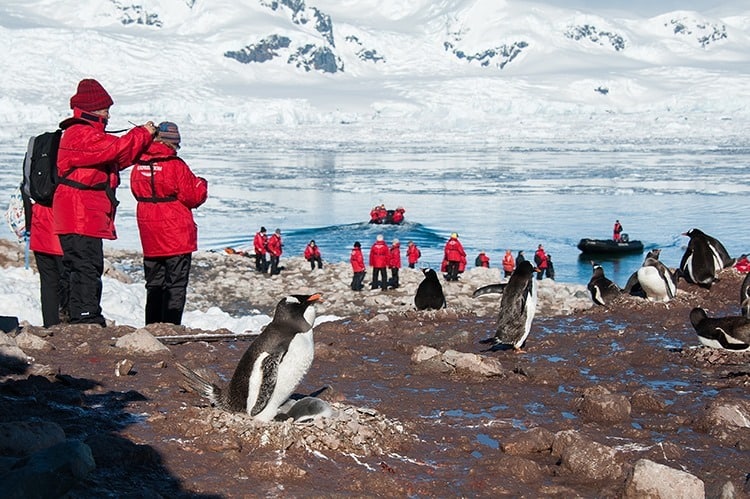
<point>653,284</point>
<point>291,370</point>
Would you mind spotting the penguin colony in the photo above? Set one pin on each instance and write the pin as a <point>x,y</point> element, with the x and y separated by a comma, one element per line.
<point>274,364</point>
<point>704,257</point>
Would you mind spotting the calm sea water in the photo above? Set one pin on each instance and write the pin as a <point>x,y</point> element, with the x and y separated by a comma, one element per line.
<point>513,197</point>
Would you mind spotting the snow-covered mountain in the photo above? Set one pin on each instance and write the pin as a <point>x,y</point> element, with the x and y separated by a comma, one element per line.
<point>436,63</point>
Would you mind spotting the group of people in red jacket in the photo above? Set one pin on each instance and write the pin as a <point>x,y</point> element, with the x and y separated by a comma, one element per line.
<point>272,246</point>
<point>382,257</point>
<point>67,238</point>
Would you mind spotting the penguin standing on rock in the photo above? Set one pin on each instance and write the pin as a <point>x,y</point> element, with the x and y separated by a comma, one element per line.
<point>273,365</point>
<point>517,308</point>
<point>745,297</point>
<point>730,333</point>
<point>703,259</point>
<point>602,290</point>
<point>430,292</point>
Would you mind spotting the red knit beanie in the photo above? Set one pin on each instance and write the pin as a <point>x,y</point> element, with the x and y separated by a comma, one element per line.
<point>90,96</point>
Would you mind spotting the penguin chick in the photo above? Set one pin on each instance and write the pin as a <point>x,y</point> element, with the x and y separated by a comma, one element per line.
<point>429,292</point>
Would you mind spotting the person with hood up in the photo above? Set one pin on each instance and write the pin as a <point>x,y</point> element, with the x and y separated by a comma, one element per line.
<point>379,254</point>
<point>454,255</point>
<point>89,162</point>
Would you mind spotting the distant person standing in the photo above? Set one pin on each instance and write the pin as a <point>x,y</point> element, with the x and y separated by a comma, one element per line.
<point>454,254</point>
<point>509,264</point>
<point>260,246</point>
<point>550,267</point>
<point>482,260</point>
<point>275,249</point>
<point>540,260</point>
<point>616,231</point>
<point>166,190</point>
<point>379,254</point>
<point>412,254</point>
<point>89,162</point>
<point>312,255</point>
<point>394,263</point>
<point>358,267</point>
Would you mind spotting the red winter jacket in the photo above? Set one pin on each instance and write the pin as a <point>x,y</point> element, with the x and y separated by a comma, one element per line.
<point>166,195</point>
<point>379,253</point>
<point>454,251</point>
<point>274,244</point>
<point>43,239</point>
<point>90,156</point>
<point>357,260</point>
<point>394,257</point>
<point>260,242</point>
<point>311,251</point>
<point>413,254</point>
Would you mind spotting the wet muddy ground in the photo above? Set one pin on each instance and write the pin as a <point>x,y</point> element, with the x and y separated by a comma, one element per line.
<point>413,429</point>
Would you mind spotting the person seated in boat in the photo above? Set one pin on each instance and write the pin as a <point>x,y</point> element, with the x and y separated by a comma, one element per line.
<point>398,215</point>
<point>616,231</point>
<point>378,214</point>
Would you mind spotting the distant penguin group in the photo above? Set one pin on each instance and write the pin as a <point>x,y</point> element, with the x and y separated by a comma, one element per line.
<point>271,367</point>
<point>517,308</point>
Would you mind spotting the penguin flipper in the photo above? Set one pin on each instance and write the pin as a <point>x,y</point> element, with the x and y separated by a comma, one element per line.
<point>270,368</point>
<point>200,384</point>
<point>490,288</point>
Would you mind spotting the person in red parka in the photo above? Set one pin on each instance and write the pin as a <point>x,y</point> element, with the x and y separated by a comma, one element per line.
<point>540,260</point>
<point>312,255</point>
<point>455,256</point>
<point>412,254</point>
<point>379,254</point>
<point>166,190</point>
<point>48,254</point>
<point>394,263</point>
<point>260,244</point>
<point>358,266</point>
<point>275,249</point>
<point>89,161</point>
<point>482,260</point>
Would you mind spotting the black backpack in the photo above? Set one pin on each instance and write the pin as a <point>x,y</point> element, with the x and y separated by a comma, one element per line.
<point>40,167</point>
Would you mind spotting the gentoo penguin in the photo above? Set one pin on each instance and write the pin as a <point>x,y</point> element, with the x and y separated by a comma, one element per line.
<point>745,297</point>
<point>729,333</point>
<point>653,279</point>
<point>602,289</point>
<point>430,292</point>
<point>704,257</point>
<point>517,308</point>
<point>272,366</point>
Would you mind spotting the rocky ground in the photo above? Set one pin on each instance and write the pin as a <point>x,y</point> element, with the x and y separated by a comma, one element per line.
<point>616,402</point>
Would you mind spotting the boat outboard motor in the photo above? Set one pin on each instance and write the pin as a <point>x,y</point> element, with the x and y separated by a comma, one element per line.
<point>624,238</point>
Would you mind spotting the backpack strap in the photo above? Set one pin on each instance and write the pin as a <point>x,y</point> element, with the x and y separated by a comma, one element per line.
<point>153,198</point>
